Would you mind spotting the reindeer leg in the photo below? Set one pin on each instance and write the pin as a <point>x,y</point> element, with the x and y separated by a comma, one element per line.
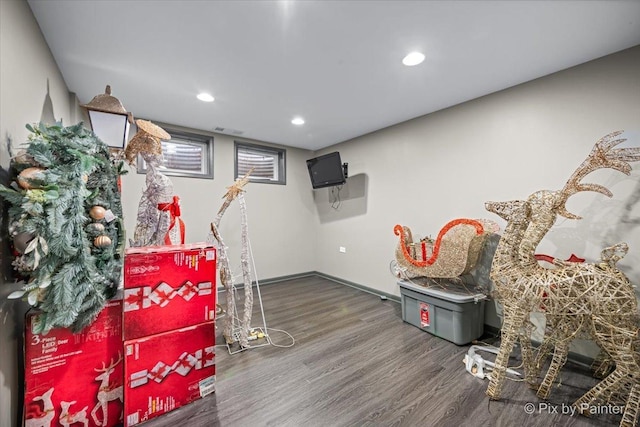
<point>542,354</point>
<point>563,330</point>
<point>630,416</point>
<point>559,359</point>
<point>548,342</point>
<point>619,344</point>
<point>94,415</point>
<point>596,391</point>
<point>527,355</point>
<point>105,412</point>
<point>513,320</point>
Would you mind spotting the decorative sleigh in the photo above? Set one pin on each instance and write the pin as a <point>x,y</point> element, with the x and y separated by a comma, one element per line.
<point>453,253</point>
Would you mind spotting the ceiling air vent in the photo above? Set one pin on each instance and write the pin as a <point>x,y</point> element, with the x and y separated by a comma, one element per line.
<point>228,131</point>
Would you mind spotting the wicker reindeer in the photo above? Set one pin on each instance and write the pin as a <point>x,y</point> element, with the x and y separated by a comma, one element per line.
<point>107,392</point>
<point>545,206</point>
<point>574,296</point>
<point>506,261</point>
<point>561,329</point>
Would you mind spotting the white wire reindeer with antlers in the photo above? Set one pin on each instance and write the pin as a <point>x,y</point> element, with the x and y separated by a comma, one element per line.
<point>574,296</point>
<point>107,392</point>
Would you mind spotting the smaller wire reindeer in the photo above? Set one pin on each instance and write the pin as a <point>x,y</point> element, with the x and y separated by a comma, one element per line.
<point>107,392</point>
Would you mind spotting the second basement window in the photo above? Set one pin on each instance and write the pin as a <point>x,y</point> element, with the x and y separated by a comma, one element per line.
<point>268,163</point>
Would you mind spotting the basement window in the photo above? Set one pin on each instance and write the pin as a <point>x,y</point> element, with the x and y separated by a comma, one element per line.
<point>186,154</point>
<point>268,163</point>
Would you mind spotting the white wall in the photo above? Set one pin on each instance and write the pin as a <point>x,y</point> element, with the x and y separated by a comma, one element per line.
<point>504,146</point>
<point>26,65</point>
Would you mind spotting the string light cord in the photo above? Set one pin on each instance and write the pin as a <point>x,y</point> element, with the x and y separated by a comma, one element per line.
<point>264,319</point>
<point>335,196</point>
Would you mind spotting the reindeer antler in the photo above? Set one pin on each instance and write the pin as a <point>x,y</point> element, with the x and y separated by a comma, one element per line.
<point>112,364</point>
<point>602,156</point>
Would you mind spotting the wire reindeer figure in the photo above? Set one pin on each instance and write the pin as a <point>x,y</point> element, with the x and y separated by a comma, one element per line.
<point>596,297</point>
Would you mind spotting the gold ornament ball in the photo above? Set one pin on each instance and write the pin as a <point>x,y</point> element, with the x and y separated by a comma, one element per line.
<point>23,158</point>
<point>95,227</point>
<point>97,212</point>
<point>25,177</point>
<point>102,241</point>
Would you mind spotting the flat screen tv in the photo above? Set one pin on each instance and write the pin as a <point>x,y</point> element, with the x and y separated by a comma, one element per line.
<point>326,170</point>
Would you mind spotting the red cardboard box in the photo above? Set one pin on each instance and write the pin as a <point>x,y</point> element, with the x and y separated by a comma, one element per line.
<point>167,288</point>
<point>166,371</point>
<point>75,379</point>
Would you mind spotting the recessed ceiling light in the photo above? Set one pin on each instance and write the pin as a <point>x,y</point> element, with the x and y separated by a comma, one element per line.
<point>205,97</point>
<point>298,121</point>
<point>414,58</point>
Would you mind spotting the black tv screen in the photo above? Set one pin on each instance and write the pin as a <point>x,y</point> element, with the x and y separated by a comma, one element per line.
<point>326,170</point>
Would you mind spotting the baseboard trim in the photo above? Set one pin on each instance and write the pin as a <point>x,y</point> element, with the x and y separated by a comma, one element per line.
<point>367,289</point>
<point>273,280</point>
<point>280,279</point>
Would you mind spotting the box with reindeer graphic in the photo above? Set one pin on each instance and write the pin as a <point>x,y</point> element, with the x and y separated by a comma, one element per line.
<point>75,379</point>
<point>167,288</point>
<point>166,371</point>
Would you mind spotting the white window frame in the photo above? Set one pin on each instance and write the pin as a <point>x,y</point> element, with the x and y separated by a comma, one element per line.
<point>279,154</point>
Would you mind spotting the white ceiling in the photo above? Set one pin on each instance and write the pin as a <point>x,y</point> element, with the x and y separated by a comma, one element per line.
<point>335,63</point>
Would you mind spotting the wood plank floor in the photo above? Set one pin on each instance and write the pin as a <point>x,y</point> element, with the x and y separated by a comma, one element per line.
<point>356,363</point>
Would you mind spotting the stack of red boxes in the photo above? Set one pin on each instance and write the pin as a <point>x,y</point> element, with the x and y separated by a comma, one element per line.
<point>75,379</point>
<point>168,326</point>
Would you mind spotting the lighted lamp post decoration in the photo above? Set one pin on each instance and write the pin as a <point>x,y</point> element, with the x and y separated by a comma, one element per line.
<point>109,120</point>
<point>158,219</point>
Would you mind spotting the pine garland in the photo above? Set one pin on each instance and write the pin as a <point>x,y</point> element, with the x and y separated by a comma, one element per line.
<point>67,276</point>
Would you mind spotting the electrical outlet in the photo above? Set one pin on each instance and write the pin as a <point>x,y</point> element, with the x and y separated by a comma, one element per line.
<point>343,249</point>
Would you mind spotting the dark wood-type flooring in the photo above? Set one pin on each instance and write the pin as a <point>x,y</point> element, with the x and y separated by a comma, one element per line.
<point>356,363</point>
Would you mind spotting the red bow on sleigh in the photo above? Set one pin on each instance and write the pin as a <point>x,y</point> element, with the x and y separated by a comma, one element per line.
<point>174,210</point>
